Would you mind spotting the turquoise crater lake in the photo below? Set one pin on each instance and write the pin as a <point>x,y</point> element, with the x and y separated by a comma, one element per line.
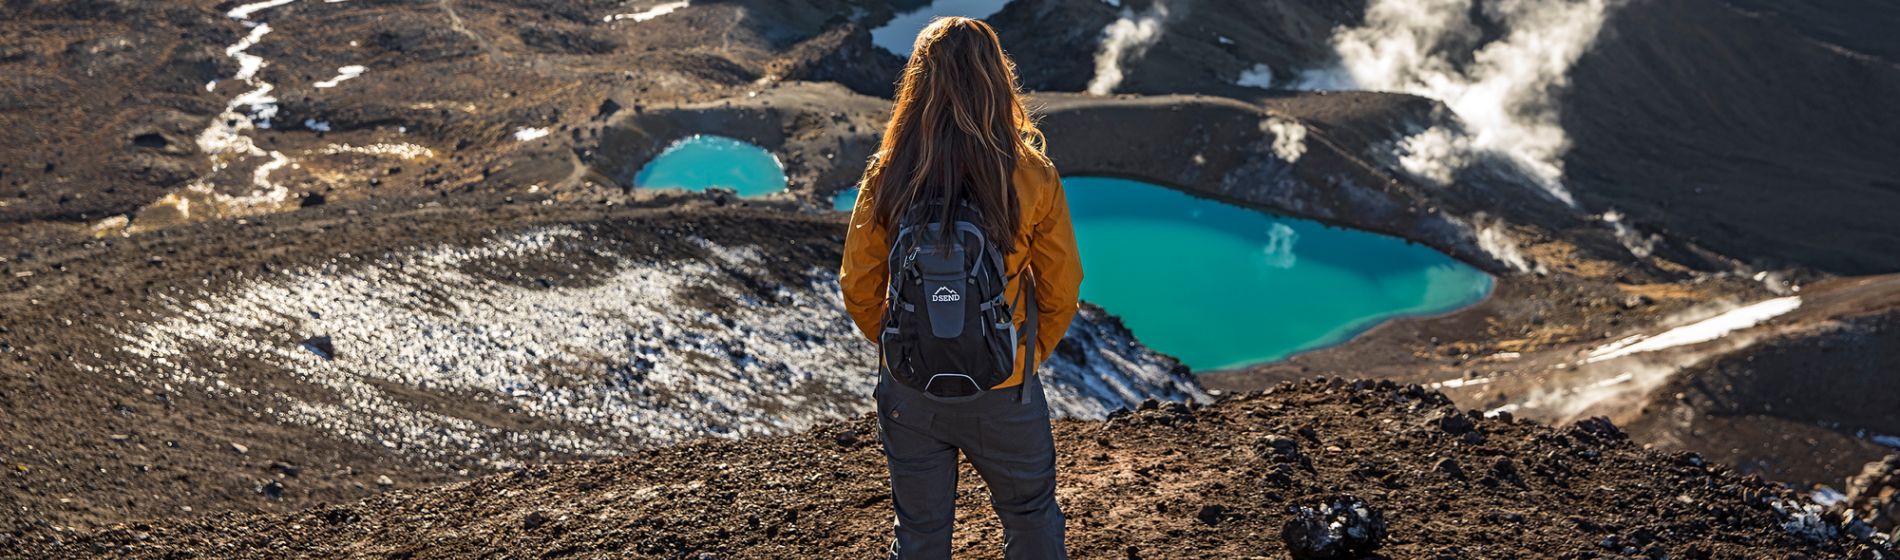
<point>1216,285</point>
<point>1221,286</point>
<point>704,161</point>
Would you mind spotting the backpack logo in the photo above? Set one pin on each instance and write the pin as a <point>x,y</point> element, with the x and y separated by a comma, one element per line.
<point>945,294</point>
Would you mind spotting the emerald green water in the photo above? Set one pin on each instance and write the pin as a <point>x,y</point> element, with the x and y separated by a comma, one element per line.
<point>1220,286</point>
<point>704,161</point>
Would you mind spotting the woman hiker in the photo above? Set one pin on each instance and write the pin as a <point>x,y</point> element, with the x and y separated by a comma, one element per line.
<point>961,265</point>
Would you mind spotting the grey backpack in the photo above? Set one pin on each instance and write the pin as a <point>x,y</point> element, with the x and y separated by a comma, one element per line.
<point>948,331</point>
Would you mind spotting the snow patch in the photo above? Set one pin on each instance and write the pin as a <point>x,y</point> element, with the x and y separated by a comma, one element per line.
<point>1506,409</point>
<point>402,150</point>
<point>1459,382</point>
<point>530,134</point>
<point>1699,332</point>
<point>245,11</point>
<point>342,74</point>
<point>261,176</point>
<point>649,13</point>
<point>248,64</point>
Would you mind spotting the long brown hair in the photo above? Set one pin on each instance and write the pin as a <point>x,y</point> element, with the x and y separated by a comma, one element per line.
<point>957,131</point>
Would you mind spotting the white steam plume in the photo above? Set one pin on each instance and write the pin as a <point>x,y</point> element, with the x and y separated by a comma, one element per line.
<point>1494,237</point>
<point>1502,92</point>
<point>1639,244</point>
<point>1435,154</point>
<point>1289,137</point>
<point>1260,76</point>
<point>1125,40</point>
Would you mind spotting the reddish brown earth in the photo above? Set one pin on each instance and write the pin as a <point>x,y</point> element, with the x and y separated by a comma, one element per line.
<point>1173,481</point>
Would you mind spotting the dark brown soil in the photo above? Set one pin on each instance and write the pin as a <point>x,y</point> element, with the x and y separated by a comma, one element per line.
<point>100,101</point>
<point>1170,482</point>
<point>87,448</point>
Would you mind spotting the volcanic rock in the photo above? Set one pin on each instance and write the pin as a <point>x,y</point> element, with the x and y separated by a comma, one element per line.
<point>1455,423</point>
<point>1339,526</point>
<point>1449,467</point>
<point>322,346</point>
<point>1874,494</point>
<point>1211,514</point>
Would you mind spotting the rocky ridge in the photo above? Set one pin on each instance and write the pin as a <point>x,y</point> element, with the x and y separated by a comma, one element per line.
<point>1165,481</point>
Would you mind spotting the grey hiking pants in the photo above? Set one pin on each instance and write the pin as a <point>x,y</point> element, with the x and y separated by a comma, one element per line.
<point>1006,439</point>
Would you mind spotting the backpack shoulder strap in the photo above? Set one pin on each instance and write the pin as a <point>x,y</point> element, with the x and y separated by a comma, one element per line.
<point>1029,331</point>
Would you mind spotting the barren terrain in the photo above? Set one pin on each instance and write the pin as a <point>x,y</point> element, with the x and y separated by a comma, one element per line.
<point>259,261</point>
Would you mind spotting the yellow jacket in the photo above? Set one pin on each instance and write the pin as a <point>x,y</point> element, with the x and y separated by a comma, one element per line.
<point>1050,255</point>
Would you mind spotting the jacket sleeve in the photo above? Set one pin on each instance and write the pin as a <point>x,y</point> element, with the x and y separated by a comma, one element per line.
<point>863,276</point>
<point>1058,269</point>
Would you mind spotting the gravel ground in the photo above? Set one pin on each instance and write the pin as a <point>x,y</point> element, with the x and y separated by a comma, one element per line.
<point>1167,481</point>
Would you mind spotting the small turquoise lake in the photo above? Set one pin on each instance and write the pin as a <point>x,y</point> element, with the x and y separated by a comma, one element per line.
<point>703,161</point>
<point>1216,285</point>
